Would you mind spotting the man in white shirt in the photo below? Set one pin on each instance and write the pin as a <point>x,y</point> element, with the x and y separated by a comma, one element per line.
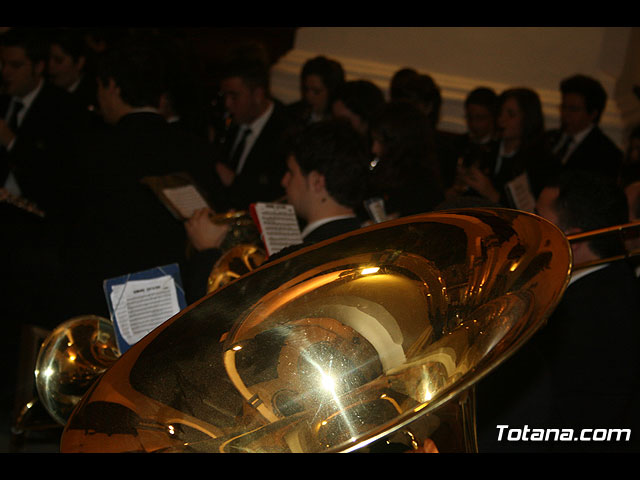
<point>253,161</point>
<point>324,179</point>
<point>326,166</point>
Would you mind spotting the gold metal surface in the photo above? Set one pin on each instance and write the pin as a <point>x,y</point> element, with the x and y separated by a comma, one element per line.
<point>234,263</point>
<point>628,234</point>
<point>339,346</point>
<point>70,359</point>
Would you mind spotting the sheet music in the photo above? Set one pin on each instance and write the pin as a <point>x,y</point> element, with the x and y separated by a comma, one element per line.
<point>142,305</point>
<point>185,199</point>
<point>520,193</point>
<point>279,226</point>
<point>376,209</point>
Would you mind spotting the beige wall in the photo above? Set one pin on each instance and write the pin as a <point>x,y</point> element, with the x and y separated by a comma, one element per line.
<point>461,58</point>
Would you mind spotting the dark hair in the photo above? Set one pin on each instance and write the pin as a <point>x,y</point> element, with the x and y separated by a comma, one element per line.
<point>399,81</point>
<point>408,173</point>
<point>594,94</point>
<point>336,150</point>
<point>138,70</point>
<point>531,107</point>
<point>250,62</point>
<point>422,91</point>
<point>362,97</point>
<point>587,201</point>
<point>32,40</point>
<point>483,96</point>
<point>71,41</point>
<point>406,136</point>
<point>330,72</point>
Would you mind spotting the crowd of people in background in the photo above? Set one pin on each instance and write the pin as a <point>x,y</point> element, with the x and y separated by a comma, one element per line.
<point>86,118</point>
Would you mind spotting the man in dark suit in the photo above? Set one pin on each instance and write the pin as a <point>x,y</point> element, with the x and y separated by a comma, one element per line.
<point>251,161</point>
<point>125,228</point>
<point>582,370</point>
<point>36,143</point>
<point>38,122</point>
<point>325,167</point>
<point>580,144</point>
<point>67,67</point>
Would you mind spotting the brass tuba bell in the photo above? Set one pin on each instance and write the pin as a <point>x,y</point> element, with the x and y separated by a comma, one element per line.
<point>378,333</point>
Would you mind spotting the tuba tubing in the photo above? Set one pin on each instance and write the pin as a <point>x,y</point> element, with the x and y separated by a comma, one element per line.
<point>622,231</point>
<point>341,346</point>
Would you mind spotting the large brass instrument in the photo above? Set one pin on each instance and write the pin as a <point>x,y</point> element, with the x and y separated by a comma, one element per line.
<point>70,359</point>
<point>627,234</point>
<point>373,335</point>
<point>242,247</point>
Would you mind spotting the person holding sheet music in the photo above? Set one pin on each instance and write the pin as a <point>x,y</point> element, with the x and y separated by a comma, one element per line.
<point>324,181</point>
<point>520,158</point>
<point>124,227</point>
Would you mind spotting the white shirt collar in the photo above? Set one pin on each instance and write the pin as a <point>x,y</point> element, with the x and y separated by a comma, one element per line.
<point>318,223</point>
<point>586,271</point>
<point>27,100</point>
<point>74,86</point>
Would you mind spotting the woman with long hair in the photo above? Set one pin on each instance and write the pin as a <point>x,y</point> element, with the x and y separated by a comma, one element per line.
<point>521,151</point>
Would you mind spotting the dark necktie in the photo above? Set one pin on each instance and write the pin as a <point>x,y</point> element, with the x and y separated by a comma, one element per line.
<point>13,120</point>
<point>562,150</point>
<point>237,152</point>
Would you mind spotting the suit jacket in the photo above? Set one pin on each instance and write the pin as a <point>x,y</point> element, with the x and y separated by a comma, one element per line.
<point>45,143</point>
<point>264,166</point>
<point>332,229</point>
<point>581,370</point>
<point>596,153</point>
<point>535,160</point>
<point>124,227</point>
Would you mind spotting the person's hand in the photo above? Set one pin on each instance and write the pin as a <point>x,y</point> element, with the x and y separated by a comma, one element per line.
<point>478,181</point>
<point>202,232</point>
<point>225,174</point>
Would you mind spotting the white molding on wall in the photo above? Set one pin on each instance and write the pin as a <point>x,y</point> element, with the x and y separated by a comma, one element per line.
<point>285,86</point>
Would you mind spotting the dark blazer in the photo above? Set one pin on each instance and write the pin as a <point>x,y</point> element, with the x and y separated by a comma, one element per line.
<point>596,153</point>
<point>535,160</point>
<point>124,227</point>
<point>332,229</point>
<point>264,167</point>
<point>581,370</point>
<point>45,142</point>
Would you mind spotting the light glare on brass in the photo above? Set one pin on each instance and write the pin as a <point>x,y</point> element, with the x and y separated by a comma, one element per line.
<point>369,270</point>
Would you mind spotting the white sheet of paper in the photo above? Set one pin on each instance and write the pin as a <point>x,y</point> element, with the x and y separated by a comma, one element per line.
<point>279,225</point>
<point>186,199</point>
<point>141,305</point>
<point>521,193</point>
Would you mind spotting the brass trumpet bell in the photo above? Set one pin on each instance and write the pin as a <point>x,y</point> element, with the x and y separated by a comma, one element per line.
<point>338,345</point>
